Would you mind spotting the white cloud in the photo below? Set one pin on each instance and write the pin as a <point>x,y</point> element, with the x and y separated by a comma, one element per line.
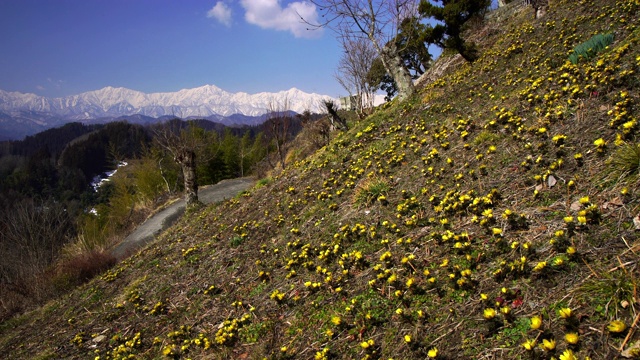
<point>221,12</point>
<point>269,14</point>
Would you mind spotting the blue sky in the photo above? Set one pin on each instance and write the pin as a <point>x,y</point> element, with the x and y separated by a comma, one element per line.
<point>64,47</point>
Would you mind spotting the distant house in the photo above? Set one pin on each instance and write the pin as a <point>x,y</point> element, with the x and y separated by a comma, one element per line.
<point>349,103</point>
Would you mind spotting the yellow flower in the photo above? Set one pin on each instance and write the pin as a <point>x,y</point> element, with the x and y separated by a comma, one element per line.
<point>407,338</point>
<point>540,265</point>
<point>489,313</point>
<point>567,355</point>
<point>548,344</point>
<point>600,144</point>
<point>559,261</point>
<point>571,338</point>
<point>536,322</point>
<point>432,353</point>
<point>617,326</point>
<point>336,320</point>
<point>529,344</point>
<point>565,313</point>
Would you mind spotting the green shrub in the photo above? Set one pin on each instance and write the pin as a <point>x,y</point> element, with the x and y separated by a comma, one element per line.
<point>264,182</point>
<point>371,190</point>
<point>590,48</point>
<point>625,161</point>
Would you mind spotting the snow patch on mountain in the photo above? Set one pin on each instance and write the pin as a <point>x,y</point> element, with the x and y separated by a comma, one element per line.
<point>204,101</point>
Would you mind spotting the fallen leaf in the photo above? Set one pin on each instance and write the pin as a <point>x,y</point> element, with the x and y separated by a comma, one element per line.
<point>551,181</point>
<point>617,201</point>
<point>575,206</point>
<point>99,338</point>
<point>632,351</point>
<point>636,222</point>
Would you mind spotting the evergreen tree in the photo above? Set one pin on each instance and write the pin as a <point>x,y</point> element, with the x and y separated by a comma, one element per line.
<point>414,54</point>
<point>230,154</point>
<point>452,16</point>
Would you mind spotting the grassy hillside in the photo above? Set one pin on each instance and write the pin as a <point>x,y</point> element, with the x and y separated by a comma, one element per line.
<point>492,216</point>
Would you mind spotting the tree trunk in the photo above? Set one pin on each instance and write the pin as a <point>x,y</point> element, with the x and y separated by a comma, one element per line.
<point>281,153</point>
<point>393,64</point>
<point>187,161</point>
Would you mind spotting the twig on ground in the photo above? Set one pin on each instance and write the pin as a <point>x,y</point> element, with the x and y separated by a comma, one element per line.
<point>633,327</point>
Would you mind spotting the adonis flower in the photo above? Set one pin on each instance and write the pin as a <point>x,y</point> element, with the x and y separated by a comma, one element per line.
<point>600,144</point>
<point>567,355</point>
<point>548,344</point>
<point>540,265</point>
<point>571,338</point>
<point>565,313</point>
<point>529,345</point>
<point>617,326</point>
<point>559,139</point>
<point>536,322</point>
<point>489,313</point>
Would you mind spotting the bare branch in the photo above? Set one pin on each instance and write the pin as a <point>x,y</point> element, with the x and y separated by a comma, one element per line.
<point>377,20</point>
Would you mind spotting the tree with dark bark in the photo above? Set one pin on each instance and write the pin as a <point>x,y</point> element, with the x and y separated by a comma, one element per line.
<point>277,128</point>
<point>378,21</point>
<point>413,51</point>
<point>183,144</point>
<point>452,15</point>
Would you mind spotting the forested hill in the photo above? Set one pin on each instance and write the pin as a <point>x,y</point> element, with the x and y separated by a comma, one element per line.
<point>492,216</point>
<point>52,139</point>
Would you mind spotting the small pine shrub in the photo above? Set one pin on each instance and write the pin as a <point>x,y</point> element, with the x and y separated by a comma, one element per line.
<point>590,48</point>
<point>370,190</point>
<point>264,182</point>
<point>625,161</point>
<point>236,241</point>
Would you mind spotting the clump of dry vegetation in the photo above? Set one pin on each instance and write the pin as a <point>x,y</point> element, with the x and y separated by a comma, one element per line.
<point>479,219</point>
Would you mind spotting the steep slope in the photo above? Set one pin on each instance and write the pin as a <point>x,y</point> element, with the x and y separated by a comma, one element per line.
<point>493,216</point>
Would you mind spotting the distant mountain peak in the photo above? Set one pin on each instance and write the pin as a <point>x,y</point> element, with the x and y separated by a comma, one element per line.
<point>115,102</point>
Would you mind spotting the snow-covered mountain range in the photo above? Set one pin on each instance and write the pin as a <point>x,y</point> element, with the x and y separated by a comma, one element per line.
<point>25,114</point>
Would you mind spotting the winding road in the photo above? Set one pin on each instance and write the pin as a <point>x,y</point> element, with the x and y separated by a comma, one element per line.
<point>154,225</point>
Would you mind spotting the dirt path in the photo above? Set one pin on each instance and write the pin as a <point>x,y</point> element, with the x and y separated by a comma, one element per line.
<point>153,226</point>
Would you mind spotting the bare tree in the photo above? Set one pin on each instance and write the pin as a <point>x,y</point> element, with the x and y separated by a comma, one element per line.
<point>356,61</point>
<point>277,128</point>
<point>379,21</point>
<point>183,144</point>
<point>32,237</point>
